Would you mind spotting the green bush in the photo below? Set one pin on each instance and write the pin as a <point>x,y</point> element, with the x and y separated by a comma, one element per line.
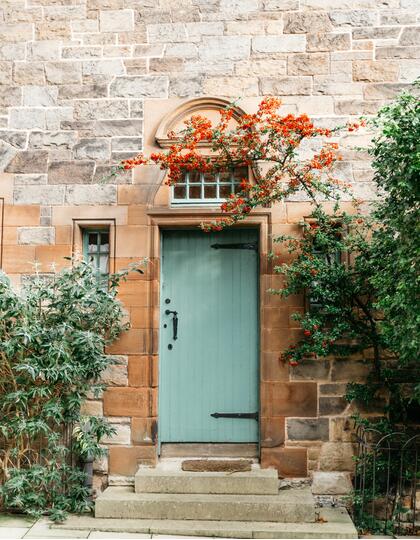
<point>52,352</point>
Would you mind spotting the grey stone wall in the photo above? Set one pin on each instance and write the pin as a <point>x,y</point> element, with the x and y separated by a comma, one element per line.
<point>73,73</point>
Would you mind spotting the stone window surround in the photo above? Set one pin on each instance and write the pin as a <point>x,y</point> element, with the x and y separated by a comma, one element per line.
<point>187,218</point>
<point>81,224</point>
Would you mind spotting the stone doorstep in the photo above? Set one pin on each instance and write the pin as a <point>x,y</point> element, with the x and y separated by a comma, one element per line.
<point>334,523</point>
<point>256,482</point>
<point>288,506</point>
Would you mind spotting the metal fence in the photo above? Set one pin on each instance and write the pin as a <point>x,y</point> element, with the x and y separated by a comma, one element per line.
<point>387,482</point>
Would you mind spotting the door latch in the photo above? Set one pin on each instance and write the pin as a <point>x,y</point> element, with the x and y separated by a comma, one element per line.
<point>174,322</point>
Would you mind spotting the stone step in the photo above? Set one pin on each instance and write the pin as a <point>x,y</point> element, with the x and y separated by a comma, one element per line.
<point>333,523</point>
<point>254,482</point>
<point>285,507</point>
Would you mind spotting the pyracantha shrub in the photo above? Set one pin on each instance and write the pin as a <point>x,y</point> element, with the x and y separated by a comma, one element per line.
<point>53,336</point>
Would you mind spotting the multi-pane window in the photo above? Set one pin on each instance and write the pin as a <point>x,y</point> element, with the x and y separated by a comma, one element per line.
<point>333,258</point>
<point>208,188</point>
<point>96,251</point>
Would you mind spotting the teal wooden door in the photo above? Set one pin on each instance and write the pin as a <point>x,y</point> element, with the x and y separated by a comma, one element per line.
<point>212,366</point>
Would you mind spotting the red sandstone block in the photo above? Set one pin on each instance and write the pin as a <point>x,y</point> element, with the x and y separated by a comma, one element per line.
<point>290,462</point>
<point>289,399</point>
<point>127,402</point>
<point>272,431</point>
<point>124,460</point>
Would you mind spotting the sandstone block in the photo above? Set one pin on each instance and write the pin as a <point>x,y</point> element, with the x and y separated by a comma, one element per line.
<point>384,91</point>
<point>125,460</point>
<point>410,36</point>
<point>331,483</point>
<point>29,179</point>
<point>138,66</point>
<point>375,70</point>
<point>353,17</point>
<point>115,128</point>
<point>122,436</point>
<point>258,68</point>
<point>81,53</point>
<point>333,389</point>
<point>336,457</point>
<point>40,96</point>
<point>10,96</point>
<point>156,50</point>
<point>91,194</point>
<point>127,401</point>
<point>272,431</point>
<point>195,30</point>
<point>304,22</point>
<point>332,405</point>
<point>92,408</point>
<point>347,369</point>
<point>70,172</point>
<point>14,33</point>
<point>92,149</point>
<point>328,42</point>
<point>278,44</point>
<point>397,52</point>
<point>289,399</point>
<point>54,117</point>
<point>308,64</point>
<point>17,139</point>
<point>85,25</point>
<point>250,27</point>
<point>409,70</point>
<point>239,6</point>
<point>63,72</point>
<point>167,32</point>
<point>28,73</point>
<point>280,5</point>
<point>341,429</point>
<point>82,91</point>
<point>285,85</point>
<point>308,429</point>
<point>116,20</point>
<point>143,430</point>
<point>44,50</point>
<point>29,162</point>
<point>376,32</point>
<point>187,51</point>
<point>7,152</point>
<point>161,65</point>
<point>36,235</point>
<point>112,67</point>
<point>45,195</point>
<point>126,144</point>
<point>311,369</point>
<point>290,462</point>
<point>5,72</point>
<point>52,139</point>
<point>12,51</point>
<point>117,50</point>
<point>52,30</point>
<point>116,374</point>
<point>231,86</point>
<point>154,86</point>
<point>224,48</point>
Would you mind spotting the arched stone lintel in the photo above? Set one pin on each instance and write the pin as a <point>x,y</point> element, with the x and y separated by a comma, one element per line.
<point>188,108</point>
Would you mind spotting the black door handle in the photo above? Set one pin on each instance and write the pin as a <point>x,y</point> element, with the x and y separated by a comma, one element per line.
<point>174,322</point>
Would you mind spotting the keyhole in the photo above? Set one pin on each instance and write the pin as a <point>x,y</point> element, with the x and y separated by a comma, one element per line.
<point>165,326</point>
<point>170,347</point>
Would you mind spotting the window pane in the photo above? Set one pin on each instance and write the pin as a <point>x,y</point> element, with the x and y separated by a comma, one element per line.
<point>240,173</point>
<point>225,191</point>
<point>180,192</point>
<point>209,177</point>
<point>103,264</point>
<point>210,192</point>
<point>104,241</point>
<point>195,192</point>
<point>195,177</point>
<point>225,176</point>
<point>92,242</point>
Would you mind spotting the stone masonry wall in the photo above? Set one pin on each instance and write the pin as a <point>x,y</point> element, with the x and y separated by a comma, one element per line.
<point>84,84</point>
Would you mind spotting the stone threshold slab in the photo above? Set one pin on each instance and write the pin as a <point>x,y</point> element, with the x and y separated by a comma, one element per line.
<point>334,523</point>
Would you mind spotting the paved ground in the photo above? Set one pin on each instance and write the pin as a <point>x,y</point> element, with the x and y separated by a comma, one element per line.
<point>20,527</point>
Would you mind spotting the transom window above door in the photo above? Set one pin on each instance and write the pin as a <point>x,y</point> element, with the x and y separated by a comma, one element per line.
<point>208,188</point>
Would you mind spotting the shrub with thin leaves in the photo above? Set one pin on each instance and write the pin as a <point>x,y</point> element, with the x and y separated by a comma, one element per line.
<point>53,336</point>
